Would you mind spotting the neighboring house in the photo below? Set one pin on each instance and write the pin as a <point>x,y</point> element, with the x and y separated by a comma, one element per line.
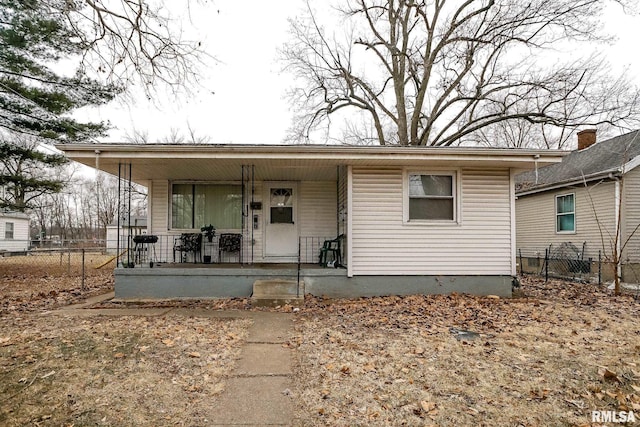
<point>582,201</point>
<point>414,220</point>
<point>14,232</point>
<point>138,226</point>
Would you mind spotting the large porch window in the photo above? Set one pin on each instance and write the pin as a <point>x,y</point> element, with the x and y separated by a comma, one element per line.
<point>196,205</point>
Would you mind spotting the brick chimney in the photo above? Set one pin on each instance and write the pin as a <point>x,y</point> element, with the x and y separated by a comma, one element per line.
<point>586,138</point>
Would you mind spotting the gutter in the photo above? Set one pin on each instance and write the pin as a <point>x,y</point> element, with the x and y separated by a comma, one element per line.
<point>607,174</point>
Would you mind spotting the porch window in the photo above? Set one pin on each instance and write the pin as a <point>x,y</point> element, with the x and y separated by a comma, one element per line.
<point>196,205</point>
<point>8,230</point>
<point>432,197</point>
<point>565,213</point>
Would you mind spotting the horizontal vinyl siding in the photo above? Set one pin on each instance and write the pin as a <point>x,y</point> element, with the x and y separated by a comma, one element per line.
<point>383,244</point>
<point>631,215</point>
<point>20,241</point>
<point>536,219</point>
<point>317,208</point>
<point>159,207</point>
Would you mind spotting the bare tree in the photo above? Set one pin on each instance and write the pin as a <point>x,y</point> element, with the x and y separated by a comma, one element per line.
<point>132,41</point>
<point>437,73</point>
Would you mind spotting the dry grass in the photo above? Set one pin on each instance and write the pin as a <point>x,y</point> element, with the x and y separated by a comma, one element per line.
<point>124,371</point>
<point>395,361</point>
<point>549,358</point>
<point>50,280</point>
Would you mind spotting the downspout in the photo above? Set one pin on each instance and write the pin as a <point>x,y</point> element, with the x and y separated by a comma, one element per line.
<point>512,217</point>
<point>349,230</point>
<point>618,231</point>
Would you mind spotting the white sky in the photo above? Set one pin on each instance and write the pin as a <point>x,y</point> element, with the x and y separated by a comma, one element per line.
<point>241,99</point>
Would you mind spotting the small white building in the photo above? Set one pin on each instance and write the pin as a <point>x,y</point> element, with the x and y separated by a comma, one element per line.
<point>138,226</point>
<point>14,232</point>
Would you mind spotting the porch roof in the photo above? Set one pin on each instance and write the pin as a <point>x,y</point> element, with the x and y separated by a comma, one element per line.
<point>288,162</point>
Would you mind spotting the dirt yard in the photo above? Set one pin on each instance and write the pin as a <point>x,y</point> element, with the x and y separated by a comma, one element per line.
<point>548,357</point>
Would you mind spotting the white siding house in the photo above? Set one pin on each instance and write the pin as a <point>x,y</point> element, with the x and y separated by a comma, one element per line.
<point>409,220</point>
<point>14,232</point>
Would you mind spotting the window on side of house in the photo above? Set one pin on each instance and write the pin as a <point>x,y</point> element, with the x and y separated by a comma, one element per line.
<point>8,230</point>
<point>432,196</point>
<point>565,213</point>
<point>196,205</point>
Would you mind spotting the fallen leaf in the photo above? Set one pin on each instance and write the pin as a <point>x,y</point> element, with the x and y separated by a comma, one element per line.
<point>118,355</point>
<point>608,375</point>
<point>168,342</point>
<point>194,354</point>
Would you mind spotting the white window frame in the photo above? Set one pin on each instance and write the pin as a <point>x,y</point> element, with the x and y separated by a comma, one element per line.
<point>6,230</point>
<point>557,214</point>
<point>170,201</point>
<point>456,192</point>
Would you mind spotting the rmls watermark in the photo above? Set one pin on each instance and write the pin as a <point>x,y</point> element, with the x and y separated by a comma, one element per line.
<point>613,417</point>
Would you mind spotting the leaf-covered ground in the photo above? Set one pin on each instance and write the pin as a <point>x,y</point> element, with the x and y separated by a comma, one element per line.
<point>549,356</point>
<point>548,359</point>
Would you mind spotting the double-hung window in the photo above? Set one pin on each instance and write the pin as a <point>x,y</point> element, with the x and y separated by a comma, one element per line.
<point>432,196</point>
<point>8,230</point>
<point>196,205</point>
<point>565,213</point>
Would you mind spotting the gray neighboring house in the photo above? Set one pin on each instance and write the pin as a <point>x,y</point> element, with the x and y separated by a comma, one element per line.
<point>14,232</point>
<point>582,201</point>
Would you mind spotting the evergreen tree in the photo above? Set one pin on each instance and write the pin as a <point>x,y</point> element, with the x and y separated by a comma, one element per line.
<point>34,99</point>
<point>25,174</point>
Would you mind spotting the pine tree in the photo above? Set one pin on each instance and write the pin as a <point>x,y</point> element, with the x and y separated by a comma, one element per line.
<point>34,99</point>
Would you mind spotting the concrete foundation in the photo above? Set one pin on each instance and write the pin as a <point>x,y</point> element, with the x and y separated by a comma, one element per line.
<point>203,283</point>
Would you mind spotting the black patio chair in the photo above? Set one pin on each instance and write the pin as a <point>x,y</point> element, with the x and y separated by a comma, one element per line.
<point>333,247</point>
<point>188,243</point>
<point>230,243</point>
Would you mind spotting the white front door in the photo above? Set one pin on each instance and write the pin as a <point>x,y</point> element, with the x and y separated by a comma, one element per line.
<point>281,230</point>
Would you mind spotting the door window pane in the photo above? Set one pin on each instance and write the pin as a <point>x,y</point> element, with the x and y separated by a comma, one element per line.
<point>281,211</point>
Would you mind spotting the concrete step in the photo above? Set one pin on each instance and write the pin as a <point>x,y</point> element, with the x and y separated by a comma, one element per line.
<point>274,292</point>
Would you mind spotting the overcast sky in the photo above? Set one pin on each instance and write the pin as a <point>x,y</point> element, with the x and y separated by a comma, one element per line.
<point>241,98</point>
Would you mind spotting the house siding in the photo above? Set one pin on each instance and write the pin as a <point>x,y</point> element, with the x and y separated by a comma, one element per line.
<point>316,217</point>
<point>631,215</point>
<point>384,245</point>
<point>20,241</point>
<point>536,219</point>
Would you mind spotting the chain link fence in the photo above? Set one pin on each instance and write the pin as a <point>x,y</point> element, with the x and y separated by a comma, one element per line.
<point>74,259</point>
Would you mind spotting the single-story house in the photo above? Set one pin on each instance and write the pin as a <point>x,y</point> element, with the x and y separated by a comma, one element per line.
<point>14,232</point>
<point>129,228</point>
<point>406,219</point>
<point>582,201</point>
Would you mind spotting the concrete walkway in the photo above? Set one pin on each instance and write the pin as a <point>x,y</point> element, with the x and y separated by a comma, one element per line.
<point>258,391</point>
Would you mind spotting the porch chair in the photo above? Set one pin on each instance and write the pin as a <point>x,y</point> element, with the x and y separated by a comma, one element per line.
<point>229,243</point>
<point>333,247</point>
<point>188,243</point>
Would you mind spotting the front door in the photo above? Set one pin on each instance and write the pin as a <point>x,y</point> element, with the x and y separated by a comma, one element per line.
<point>281,230</point>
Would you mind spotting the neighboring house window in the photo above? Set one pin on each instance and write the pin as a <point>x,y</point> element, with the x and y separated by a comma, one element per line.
<point>565,213</point>
<point>432,197</point>
<point>197,205</point>
<point>8,230</point>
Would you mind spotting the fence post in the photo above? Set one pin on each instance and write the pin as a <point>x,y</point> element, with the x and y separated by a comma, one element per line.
<point>521,265</point>
<point>69,262</point>
<point>546,265</point>
<point>599,267</point>
<point>83,288</point>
